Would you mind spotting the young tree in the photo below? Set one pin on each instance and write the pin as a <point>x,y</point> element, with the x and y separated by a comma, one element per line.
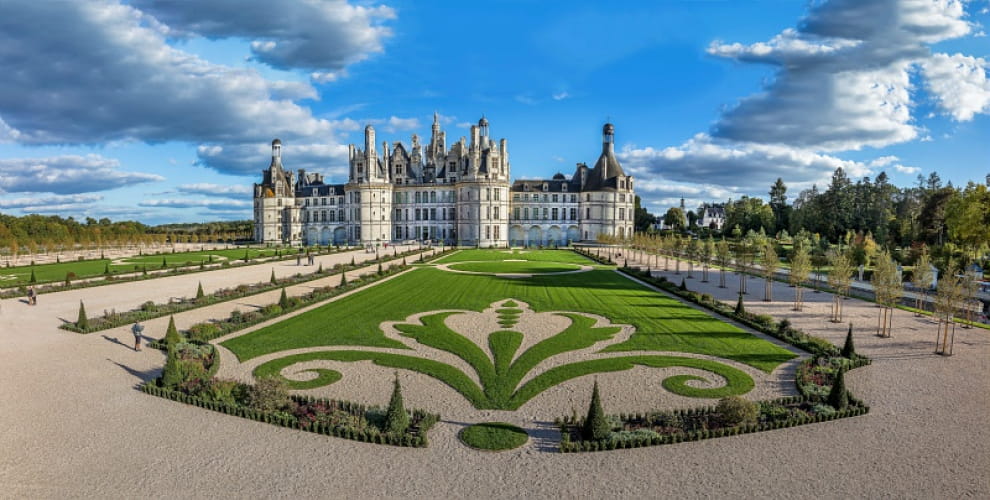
<point>888,289</point>
<point>723,256</point>
<point>692,250</point>
<point>770,263</point>
<point>921,278</point>
<point>677,248</point>
<point>707,253</point>
<point>800,268</point>
<point>396,417</point>
<point>951,291</point>
<point>840,279</point>
<point>596,424</point>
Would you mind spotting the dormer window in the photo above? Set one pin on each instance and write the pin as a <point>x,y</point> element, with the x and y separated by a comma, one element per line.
<point>563,187</point>
<point>545,186</point>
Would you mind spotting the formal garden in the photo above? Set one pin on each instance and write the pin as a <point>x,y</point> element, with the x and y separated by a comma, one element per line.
<point>518,324</point>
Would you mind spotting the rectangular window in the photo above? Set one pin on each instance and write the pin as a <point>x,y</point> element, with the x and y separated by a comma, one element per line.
<point>398,214</point>
<point>544,198</point>
<point>622,214</point>
<point>496,214</point>
<point>497,236</point>
<point>555,198</point>
<point>526,213</point>
<point>433,214</point>
<point>498,196</point>
<point>515,213</point>
<point>417,214</point>
<point>587,213</point>
<point>554,211</point>
<point>515,197</point>
<point>488,212</point>
<point>488,194</point>
<point>488,232</point>
<point>573,214</point>
<point>545,214</point>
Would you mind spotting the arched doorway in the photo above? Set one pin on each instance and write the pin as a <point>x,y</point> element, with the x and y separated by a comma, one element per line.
<point>535,236</point>
<point>554,236</point>
<point>339,236</point>
<point>573,234</point>
<point>517,236</point>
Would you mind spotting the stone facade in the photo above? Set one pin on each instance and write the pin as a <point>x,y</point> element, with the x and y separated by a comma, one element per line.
<point>460,195</point>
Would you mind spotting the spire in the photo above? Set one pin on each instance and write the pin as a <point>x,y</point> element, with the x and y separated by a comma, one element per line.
<point>277,153</point>
<point>608,138</point>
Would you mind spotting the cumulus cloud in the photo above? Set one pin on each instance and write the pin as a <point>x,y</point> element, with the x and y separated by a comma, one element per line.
<point>237,191</point>
<point>33,203</point>
<point>98,71</point>
<point>67,174</point>
<point>844,78</point>
<point>959,83</point>
<point>250,159</point>
<point>322,37</point>
<point>395,124</point>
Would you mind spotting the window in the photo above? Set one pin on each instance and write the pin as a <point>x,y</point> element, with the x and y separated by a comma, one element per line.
<point>573,199</point>
<point>398,214</point>
<point>340,215</point>
<point>443,213</point>
<point>573,214</point>
<point>587,213</point>
<point>554,212</point>
<point>488,194</point>
<point>545,186</point>
<point>622,214</point>
<point>332,216</point>
<point>433,196</point>
<point>526,213</point>
<point>515,213</point>
<point>433,214</point>
<point>544,198</point>
<point>498,195</point>
<point>417,196</point>
<point>555,198</point>
<point>587,197</point>
<point>496,214</point>
<point>515,197</point>
<point>307,202</point>
<point>488,232</point>
<point>488,212</point>
<point>544,214</point>
<point>622,198</point>
<point>417,214</point>
<point>497,233</point>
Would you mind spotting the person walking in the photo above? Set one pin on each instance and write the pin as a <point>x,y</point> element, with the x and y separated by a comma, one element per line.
<point>32,296</point>
<point>136,330</point>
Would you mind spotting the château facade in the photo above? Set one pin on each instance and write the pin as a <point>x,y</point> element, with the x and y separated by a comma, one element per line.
<point>461,195</point>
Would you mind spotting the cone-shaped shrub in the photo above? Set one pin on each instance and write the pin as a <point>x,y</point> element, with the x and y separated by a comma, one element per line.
<point>838,398</point>
<point>396,417</point>
<point>848,349</point>
<point>246,258</point>
<point>172,373</point>
<point>683,286</point>
<point>352,261</point>
<point>379,268</point>
<point>283,300</point>
<point>596,426</point>
<point>33,279</point>
<point>740,308</point>
<point>106,268</point>
<point>82,322</point>
<point>343,278</point>
<point>199,291</point>
<point>320,270</point>
<point>164,264</point>
<point>272,279</point>
<point>144,270</point>
<point>171,333</point>
<point>404,262</point>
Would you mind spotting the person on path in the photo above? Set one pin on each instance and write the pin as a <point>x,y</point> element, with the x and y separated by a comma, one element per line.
<point>136,330</point>
<point>298,260</point>
<point>32,296</point>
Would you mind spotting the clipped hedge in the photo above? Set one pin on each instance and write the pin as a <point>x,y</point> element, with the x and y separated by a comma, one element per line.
<point>415,437</point>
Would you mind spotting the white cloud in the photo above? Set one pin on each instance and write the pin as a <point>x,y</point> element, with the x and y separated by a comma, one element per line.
<point>190,203</point>
<point>959,84</point>
<point>67,174</point>
<point>322,37</point>
<point>906,170</point>
<point>560,96</point>
<point>32,203</point>
<point>237,191</point>
<point>395,124</point>
<point>844,78</point>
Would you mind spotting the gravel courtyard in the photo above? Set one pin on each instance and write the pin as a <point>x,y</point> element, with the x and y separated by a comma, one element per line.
<point>73,424</point>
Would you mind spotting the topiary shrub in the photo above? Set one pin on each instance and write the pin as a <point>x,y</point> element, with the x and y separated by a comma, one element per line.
<point>396,417</point>
<point>199,291</point>
<point>596,424</point>
<point>172,336</point>
<point>283,300</point>
<point>269,394</point>
<point>735,410</point>
<point>82,322</point>
<point>172,373</point>
<point>740,308</point>
<point>838,397</point>
<point>683,286</point>
<point>33,278</point>
<point>848,349</point>
<point>343,279</point>
<point>106,269</point>
<point>272,280</point>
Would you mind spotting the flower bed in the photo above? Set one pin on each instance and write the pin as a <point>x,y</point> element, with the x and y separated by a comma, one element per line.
<point>151,310</point>
<point>815,379</point>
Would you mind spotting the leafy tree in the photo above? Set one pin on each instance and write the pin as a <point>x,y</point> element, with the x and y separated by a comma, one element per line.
<point>644,220</point>
<point>921,278</point>
<point>838,397</point>
<point>967,218</point>
<point>840,279</point>
<point>674,218</point>
<point>770,263</point>
<point>723,255</point>
<point>82,322</point>
<point>396,417</point>
<point>596,424</point>
<point>707,253</point>
<point>778,204</point>
<point>888,289</point>
<point>800,269</point>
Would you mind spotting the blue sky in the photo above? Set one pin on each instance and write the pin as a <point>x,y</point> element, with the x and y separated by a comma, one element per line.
<point>163,111</point>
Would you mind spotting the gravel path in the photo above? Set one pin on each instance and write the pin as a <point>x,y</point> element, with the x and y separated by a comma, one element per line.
<point>73,425</point>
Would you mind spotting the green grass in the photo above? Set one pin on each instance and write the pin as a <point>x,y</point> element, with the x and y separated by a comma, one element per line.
<point>662,323</point>
<point>20,275</point>
<point>493,436</point>
<point>526,267</point>
<point>563,256</point>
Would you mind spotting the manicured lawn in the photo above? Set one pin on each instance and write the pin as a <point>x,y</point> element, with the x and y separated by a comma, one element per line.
<point>494,436</point>
<point>564,256</point>
<point>524,267</point>
<point>662,323</point>
<point>20,275</point>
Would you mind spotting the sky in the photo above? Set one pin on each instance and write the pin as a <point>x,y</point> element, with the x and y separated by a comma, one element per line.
<point>164,111</point>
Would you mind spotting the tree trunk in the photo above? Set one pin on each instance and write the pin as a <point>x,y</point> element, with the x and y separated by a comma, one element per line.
<point>704,273</point>
<point>721,278</point>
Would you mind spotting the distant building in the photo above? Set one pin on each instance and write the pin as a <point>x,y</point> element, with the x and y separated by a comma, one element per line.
<point>711,216</point>
<point>460,195</point>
